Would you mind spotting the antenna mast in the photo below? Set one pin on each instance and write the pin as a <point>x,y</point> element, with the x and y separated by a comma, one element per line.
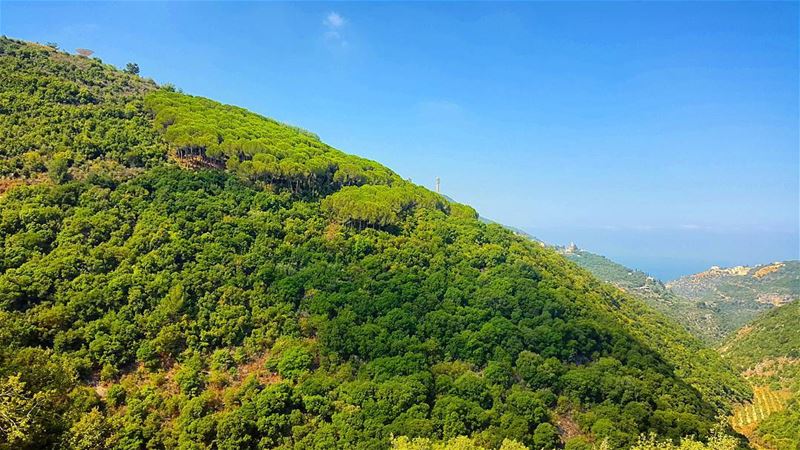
<point>438,185</point>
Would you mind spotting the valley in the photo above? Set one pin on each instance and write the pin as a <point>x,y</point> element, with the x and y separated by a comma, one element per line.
<point>711,304</point>
<point>760,300</point>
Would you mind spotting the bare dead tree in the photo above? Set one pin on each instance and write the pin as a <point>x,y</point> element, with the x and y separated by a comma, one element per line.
<point>84,52</point>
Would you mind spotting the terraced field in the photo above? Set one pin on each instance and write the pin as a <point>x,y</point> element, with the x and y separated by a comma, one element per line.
<point>767,401</point>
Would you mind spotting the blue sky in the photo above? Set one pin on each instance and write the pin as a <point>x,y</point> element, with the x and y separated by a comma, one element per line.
<point>664,135</point>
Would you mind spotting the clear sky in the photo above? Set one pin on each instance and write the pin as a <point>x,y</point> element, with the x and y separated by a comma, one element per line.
<point>663,135</point>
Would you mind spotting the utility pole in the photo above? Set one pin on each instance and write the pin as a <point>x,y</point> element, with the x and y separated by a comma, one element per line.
<point>438,185</point>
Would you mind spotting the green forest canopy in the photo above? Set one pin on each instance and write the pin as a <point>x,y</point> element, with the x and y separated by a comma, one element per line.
<point>258,148</point>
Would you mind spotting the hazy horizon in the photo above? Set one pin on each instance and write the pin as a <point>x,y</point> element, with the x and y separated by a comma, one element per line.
<point>670,254</point>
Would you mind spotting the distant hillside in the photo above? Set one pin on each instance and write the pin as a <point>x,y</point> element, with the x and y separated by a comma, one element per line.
<point>696,317</point>
<point>710,304</point>
<point>773,334</point>
<point>767,351</point>
<point>738,294</point>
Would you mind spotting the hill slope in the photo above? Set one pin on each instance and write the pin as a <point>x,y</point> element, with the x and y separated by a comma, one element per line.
<point>284,294</point>
<point>699,319</point>
<point>767,351</point>
<point>738,294</point>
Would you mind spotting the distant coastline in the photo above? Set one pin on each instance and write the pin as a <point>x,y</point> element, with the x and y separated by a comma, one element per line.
<point>670,254</point>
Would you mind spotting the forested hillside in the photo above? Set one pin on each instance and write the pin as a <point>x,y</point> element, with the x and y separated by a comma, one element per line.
<point>767,351</point>
<point>58,110</point>
<point>178,273</point>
